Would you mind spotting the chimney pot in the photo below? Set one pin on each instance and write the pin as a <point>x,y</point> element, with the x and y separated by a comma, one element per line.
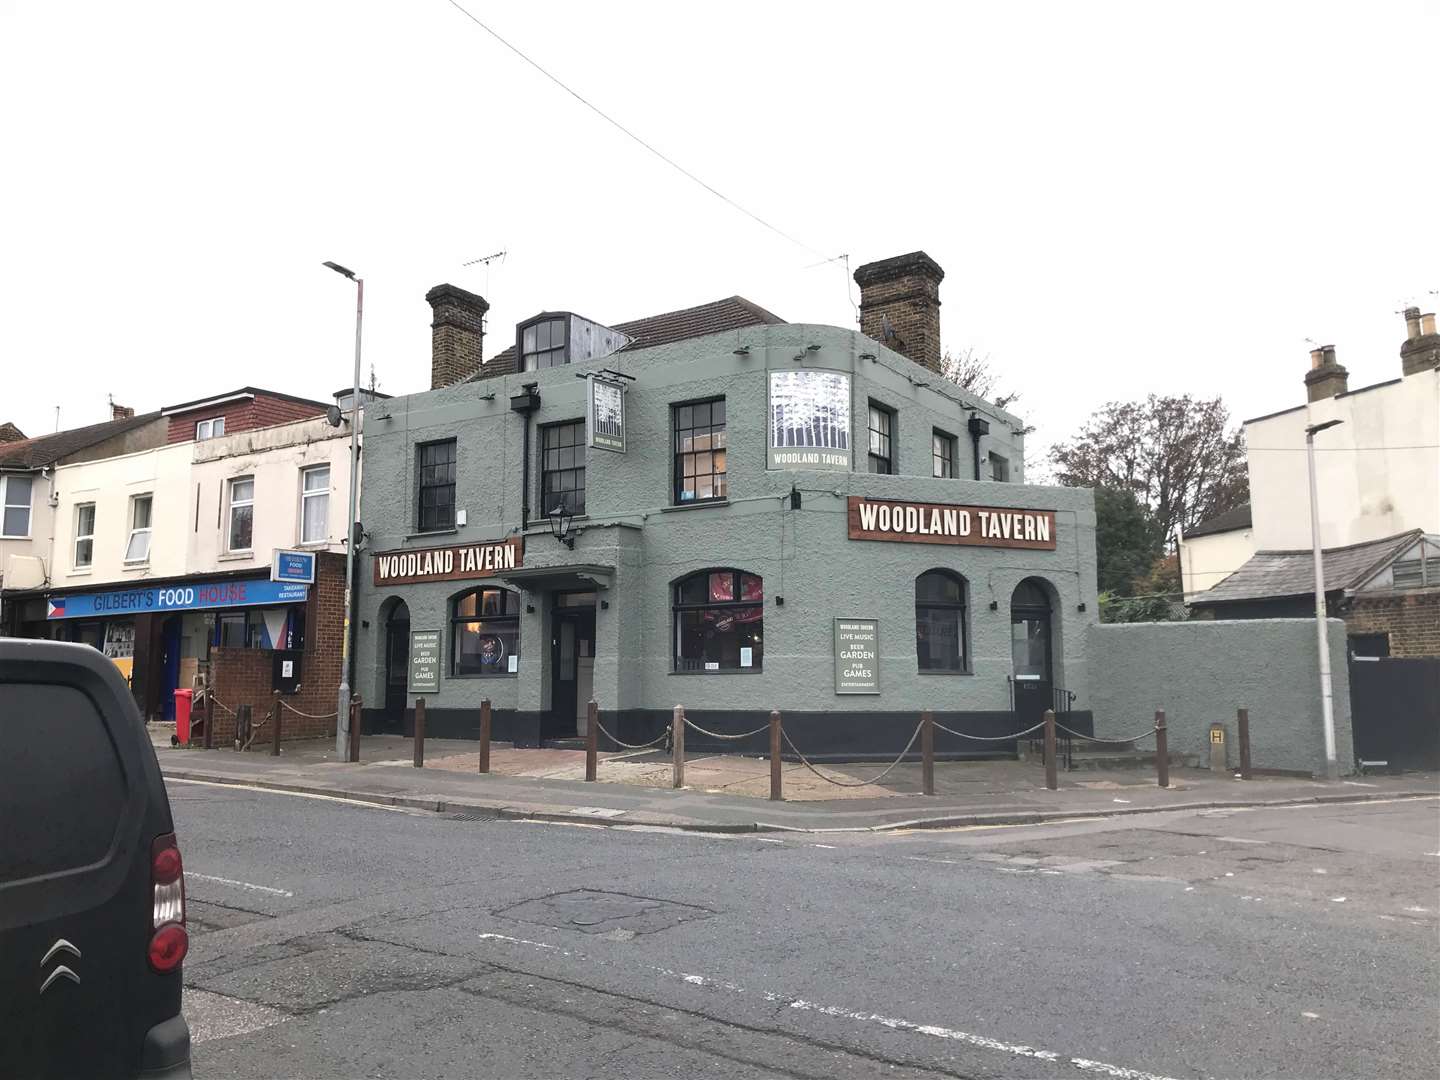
<point>900,305</point>
<point>1412,323</point>
<point>120,412</point>
<point>1427,323</point>
<point>1317,357</point>
<point>1326,377</point>
<point>457,334</point>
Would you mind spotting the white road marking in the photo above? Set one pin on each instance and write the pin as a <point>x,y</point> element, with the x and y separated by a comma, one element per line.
<point>1358,783</point>
<point>1310,1015</point>
<point>215,1016</point>
<point>248,886</point>
<point>297,795</point>
<point>1337,899</point>
<point>1417,910</point>
<point>769,840</point>
<point>1240,840</point>
<point>827,847</point>
<point>983,1042</point>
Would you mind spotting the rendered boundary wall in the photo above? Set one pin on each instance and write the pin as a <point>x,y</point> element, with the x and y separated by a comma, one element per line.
<point>1201,672</point>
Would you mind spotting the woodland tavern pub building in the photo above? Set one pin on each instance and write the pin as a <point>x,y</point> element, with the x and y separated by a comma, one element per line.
<point>719,509</point>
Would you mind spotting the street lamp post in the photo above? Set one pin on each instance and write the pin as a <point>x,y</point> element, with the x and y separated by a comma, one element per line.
<point>1322,636</point>
<point>342,705</point>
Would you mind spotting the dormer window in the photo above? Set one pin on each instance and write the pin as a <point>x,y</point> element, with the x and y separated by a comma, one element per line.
<point>210,429</point>
<point>542,344</point>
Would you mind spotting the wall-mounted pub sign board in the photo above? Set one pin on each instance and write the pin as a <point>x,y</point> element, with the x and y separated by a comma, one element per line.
<point>605,413</point>
<point>424,662</point>
<point>946,523</point>
<point>455,562</point>
<point>857,656</point>
<point>809,420</point>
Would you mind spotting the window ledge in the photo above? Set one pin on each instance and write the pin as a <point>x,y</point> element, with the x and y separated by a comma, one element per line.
<point>235,556</point>
<point>142,565</point>
<point>432,532</point>
<point>310,544</point>
<point>4,537</point>
<point>950,673</point>
<point>694,504</point>
<point>80,573</point>
<point>722,671</point>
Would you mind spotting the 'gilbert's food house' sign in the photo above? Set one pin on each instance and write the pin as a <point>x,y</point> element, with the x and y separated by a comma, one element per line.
<point>945,523</point>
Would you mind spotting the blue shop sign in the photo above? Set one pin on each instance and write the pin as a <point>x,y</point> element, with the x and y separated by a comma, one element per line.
<point>186,596</point>
<point>297,566</point>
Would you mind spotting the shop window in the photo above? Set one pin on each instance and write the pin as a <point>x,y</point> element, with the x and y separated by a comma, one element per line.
<point>137,547</point>
<point>999,468</point>
<point>435,464</point>
<point>315,504</point>
<point>15,506</point>
<point>562,467</point>
<point>542,344</point>
<point>232,630</point>
<point>84,535</point>
<point>940,639</point>
<point>719,619</point>
<point>210,429</point>
<point>484,632</point>
<point>942,450</point>
<point>241,532</point>
<point>699,451</point>
<point>882,445</point>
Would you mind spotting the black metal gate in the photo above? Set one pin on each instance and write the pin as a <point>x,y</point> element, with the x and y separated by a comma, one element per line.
<point>1395,710</point>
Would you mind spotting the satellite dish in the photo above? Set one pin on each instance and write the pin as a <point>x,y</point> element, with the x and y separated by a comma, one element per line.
<point>334,416</point>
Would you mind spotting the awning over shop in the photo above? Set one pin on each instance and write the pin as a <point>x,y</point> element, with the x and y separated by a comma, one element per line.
<point>575,577</point>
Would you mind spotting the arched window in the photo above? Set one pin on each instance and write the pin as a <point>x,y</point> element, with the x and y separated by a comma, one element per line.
<point>940,639</point>
<point>719,616</point>
<point>484,632</point>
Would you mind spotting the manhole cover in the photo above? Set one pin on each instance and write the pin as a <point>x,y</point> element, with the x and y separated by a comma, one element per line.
<point>594,912</point>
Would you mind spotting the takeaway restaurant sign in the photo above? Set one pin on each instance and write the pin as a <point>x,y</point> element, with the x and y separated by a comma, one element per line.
<point>453,563</point>
<point>945,523</point>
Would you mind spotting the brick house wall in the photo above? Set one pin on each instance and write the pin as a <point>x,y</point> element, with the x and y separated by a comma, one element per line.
<point>1412,619</point>
<point>244,676</point>
<point>246,414</point>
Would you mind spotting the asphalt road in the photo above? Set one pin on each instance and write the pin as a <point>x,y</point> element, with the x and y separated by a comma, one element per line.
<point>338,940</point>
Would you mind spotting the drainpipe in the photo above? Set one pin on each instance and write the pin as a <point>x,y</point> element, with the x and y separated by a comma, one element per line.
<point>978,427</point>
<point>525,403</point>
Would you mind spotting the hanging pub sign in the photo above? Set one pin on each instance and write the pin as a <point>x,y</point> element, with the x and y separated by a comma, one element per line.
<point>605,413</point>
<point>455,562</point>
<point>809,420</point>
<point>946,523</point>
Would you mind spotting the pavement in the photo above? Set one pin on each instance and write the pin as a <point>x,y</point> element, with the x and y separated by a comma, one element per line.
<point>341,939</point>
<point>720,792</point>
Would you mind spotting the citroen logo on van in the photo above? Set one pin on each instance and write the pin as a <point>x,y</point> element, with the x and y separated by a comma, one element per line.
<point>61,971</point>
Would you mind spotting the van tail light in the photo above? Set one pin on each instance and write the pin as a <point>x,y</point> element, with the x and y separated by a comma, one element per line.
<point>169,940</point>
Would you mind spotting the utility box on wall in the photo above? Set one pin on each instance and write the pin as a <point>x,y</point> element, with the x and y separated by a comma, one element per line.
<point>285,670</point>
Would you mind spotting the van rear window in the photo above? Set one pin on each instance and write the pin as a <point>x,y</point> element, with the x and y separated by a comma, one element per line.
<point>62,788</point>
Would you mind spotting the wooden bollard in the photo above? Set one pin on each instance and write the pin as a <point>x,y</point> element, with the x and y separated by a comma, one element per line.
<point>419,733</point>
<point>242,722</point>
<point>677,747</point>
<point>1052,781</point>
<point>1162,751</point>
<point>927,752</point>
<point>275,731</point>
<point>775,793</point>
<point>209,719</point>
<point>356,712</point>
<point>485,735</point>
<point>592,738</point>
<point>1242,734</point>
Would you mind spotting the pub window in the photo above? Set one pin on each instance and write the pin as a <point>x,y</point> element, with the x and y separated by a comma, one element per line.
<point>484,632</point>
<point>435,484</point>
<point>700,451</point>
<point>940,642</point>
<point>942,449</point>
<point>242,514</point>
<point>882,446</point>
<point>542,344</point>
<point>562,467</point>
<point>15,505</point>
<point>137,547</point>
<point>719,618</point>
<point>999,468</point>
<point>84,535</point>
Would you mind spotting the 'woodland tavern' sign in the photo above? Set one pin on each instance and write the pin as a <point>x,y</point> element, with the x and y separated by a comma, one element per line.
<point>945,523</point>
<point>453,563</point>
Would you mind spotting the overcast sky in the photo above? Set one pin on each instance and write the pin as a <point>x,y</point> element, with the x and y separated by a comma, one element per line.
<point>1125,198</point>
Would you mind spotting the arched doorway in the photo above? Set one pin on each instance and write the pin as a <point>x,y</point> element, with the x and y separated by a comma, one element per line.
<point>1030,650</point>
<point>397,664</point>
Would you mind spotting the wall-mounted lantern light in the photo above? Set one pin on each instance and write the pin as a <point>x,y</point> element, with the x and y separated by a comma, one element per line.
<point>560,518</point>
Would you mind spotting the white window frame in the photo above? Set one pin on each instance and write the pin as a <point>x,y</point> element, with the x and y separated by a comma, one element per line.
<point>81,536</point>
<point>212,428</point>
<point>6,504</point>
<point>148,530</point>
<point>231,504</point>
<point>319,493</point>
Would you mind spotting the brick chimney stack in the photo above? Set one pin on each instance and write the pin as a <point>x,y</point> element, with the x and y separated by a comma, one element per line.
<point>1326,377</point>
<point>120,412</point>
<point>1421,349</point>
<point>457,334</point>
<point>10,433</point>
<point>900,305</point>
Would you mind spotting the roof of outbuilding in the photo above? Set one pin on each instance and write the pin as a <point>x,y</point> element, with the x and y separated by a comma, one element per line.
<point>1269,575</point>
<point>731,313</point>
<point>1229,521</point>
<point>47,449</point>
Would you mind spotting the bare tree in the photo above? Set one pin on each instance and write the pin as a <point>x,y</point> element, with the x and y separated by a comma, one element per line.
<point>974,373</point>
<point>1174,453</point>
